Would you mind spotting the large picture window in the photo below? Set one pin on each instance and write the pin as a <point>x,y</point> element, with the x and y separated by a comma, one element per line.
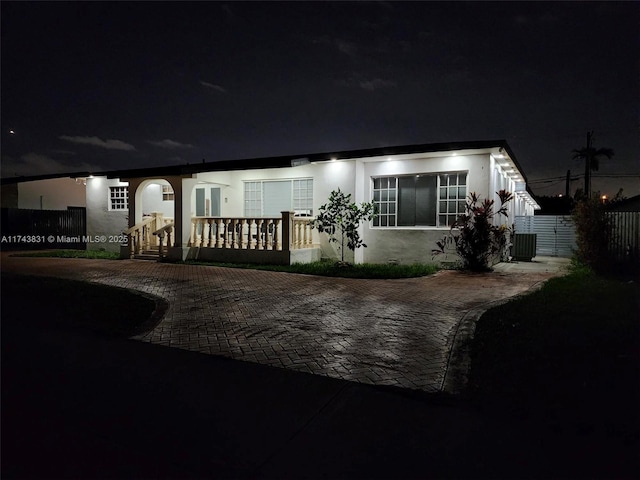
<point>431,200</point>
<point>268,198</point>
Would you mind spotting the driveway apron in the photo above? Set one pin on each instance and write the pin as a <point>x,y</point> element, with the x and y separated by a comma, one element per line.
<point>385,332</point>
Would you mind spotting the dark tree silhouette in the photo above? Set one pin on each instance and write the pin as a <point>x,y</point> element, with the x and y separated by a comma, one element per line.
<point>591,157</point>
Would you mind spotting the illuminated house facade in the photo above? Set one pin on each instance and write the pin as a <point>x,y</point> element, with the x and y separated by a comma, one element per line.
<point>259,209</point>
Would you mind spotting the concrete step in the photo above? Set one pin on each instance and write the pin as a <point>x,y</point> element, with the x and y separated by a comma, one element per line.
<point>146,256</point>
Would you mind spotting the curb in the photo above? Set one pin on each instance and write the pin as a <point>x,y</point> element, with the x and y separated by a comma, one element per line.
<point>456,375</point>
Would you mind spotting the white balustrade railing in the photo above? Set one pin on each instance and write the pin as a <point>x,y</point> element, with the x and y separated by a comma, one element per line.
<point>162,233</point>
<point>248,233</point>
<point>284,233</point>
<point>140,235</point>
<point>302,233</point>
<point>237,233</point>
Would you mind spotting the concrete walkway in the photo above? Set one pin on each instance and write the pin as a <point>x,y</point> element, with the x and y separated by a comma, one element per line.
<point>383,332</point>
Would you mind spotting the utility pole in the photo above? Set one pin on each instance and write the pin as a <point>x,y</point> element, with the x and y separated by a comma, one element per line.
<point>567,186</point>
<point>587,166</point>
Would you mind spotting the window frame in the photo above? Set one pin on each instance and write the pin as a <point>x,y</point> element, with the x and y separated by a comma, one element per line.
<point>116,200</point>
<point>254,207</point>
<point>440,188</point>
<point>168,195</point>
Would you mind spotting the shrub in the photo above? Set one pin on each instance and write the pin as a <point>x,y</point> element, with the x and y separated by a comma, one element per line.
<point>593,233</point>
<point>478,239</point>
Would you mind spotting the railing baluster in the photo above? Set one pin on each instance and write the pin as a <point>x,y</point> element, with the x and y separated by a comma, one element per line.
<point>252,238</point>
<point>214,232</point>
<point>219,233</point>
<point>243,238</point>
<point>234,233</point>
<point>225,243</point>
<point>276,224</point>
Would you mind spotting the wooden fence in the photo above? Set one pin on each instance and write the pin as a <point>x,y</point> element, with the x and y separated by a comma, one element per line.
<point>25,229</point>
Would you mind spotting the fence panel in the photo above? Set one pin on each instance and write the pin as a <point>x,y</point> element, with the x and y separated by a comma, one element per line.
<point>556,233</point>
<point>25,229</point>
<point>625,238</point>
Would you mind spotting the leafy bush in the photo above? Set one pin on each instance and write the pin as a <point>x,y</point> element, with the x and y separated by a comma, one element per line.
<point>593,233</point>
<point>478,239</point>
<point>340,219</point>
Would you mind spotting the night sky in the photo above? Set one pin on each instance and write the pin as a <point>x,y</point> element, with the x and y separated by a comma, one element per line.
<point>100,86</point>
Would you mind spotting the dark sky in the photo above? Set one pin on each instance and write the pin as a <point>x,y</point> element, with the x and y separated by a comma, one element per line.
<point>120,85</point>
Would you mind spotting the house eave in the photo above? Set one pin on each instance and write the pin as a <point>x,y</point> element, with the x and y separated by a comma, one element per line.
<point>369,154</point>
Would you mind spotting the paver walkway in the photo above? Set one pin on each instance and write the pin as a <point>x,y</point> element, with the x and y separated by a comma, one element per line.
<point>386,332</point>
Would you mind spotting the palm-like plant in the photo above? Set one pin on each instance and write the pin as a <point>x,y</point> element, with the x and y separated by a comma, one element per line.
<point>477,238</point>
<point>591,157</point>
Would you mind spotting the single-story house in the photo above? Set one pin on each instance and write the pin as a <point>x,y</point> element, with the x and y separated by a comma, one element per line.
<point>259,209</point>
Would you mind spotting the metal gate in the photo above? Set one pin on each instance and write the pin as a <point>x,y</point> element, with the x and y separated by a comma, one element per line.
<point>556,233</point>
<point>625,238</point>
<point>25,229</point>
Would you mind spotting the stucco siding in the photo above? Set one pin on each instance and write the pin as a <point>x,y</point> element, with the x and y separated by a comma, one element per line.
<point>404,246</point>
<point>101,221</point>
<point>407,245</point>
<point>152,200</point>
<point>327,176</point>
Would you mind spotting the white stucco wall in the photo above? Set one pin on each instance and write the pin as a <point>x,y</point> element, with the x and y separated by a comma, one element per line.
<point>327,176</point>
<point>404,245</point>
<point>101,221</point>
<point>52,194</point>
<point>408,245</point>
<point>152,199</point>
<point>398,244</point>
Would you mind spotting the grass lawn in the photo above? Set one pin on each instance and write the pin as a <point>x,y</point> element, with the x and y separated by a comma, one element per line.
<point>71,254</point>
<point>67,304</point>
<point>568,354</point>
<point>333,269</point>
<point>323,268</point>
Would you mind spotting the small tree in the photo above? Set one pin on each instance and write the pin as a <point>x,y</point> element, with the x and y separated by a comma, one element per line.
<point>593,233</point>
<point>478,239</point>
<point>340,219</point>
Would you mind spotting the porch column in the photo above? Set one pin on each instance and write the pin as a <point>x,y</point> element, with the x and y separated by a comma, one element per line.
<point>135,199</point>
<point>287,230</point>
<point>182,188</point>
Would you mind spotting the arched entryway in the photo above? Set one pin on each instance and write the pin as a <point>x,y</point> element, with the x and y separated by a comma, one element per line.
<point>168,201</point>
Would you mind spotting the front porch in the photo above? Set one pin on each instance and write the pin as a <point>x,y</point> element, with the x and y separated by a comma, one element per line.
<point>280,241</point>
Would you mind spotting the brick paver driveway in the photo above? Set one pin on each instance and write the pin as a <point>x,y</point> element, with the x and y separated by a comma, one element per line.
<point>391,332</point>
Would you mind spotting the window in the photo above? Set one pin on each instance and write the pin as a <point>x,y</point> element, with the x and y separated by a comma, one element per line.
<point>303,196</point>
<point>269,198</point>
<point>253,199</point>
<point>384,196</point>
<point>167,193</point>
<point>452,192</point>
<point>118,198</point>
<point>419,200</point>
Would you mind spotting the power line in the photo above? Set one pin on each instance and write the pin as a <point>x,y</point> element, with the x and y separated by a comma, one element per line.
<point>581,175</point>
<point>623,175</point>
